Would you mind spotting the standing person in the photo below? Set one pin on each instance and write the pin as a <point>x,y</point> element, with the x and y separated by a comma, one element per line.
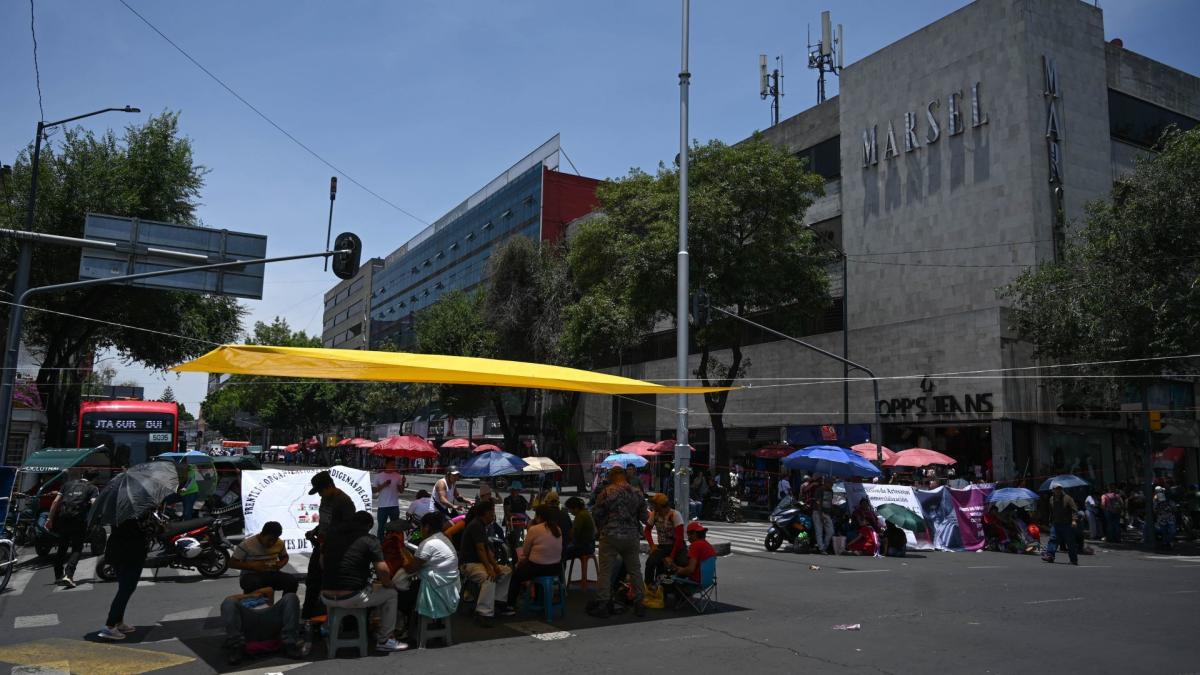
<point>445,494</point>
<point>1111,506</point>
<point>515,504</point>
<point>479,564</point>
<point>1063,518</point>
<point>334,514</point>
<point>668,523</point>
<point>261,558</point>
<point>1091,507</point>
<point>68,520</point>
<point>1164,518</point>
<point>350,558</point>
<point>543,551</point>
<point>785,487</point>
<point>387,486</point>
<point>618,512</point>
<point>126,552</point>
<point>190,490</point>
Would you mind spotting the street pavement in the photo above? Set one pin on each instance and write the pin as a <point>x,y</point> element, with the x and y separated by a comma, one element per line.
<point>1119,611</point>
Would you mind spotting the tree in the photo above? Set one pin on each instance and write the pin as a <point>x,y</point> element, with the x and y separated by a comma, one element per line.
<point>749,250</point>
<point>1127,285</point>
<point>455,325</point>
<point>168,395</point>
<point>148,172</point>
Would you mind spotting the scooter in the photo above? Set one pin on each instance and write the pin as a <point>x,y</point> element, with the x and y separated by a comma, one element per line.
<point>197,544</point>
<point>789,523</point>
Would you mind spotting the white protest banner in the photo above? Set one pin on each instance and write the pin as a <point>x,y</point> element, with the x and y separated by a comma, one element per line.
<point>282,496</point>
<point>903,495</point>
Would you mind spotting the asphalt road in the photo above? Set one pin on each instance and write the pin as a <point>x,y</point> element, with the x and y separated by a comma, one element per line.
<point>1119,611</point>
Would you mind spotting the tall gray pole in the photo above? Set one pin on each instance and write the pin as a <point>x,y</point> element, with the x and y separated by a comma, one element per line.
<point>12,347</point>
<point>683,452</point>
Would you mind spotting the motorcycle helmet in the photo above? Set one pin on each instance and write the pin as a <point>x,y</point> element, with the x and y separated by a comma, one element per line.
<point>187,547</point>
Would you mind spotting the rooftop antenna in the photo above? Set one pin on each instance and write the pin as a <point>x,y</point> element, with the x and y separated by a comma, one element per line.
<point>770,84</point>
<point>826,55</point>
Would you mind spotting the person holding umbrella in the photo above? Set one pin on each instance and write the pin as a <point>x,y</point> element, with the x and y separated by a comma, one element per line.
<point>126,504</point>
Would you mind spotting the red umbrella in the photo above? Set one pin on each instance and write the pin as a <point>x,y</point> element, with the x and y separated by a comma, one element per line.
<point>456,443</point>
<point>774,451</point>
<point>347,441</point>
<point>915,457</point>
<point>411,447</point>
<point>667,446</point>
<point>640,448</point>
<point>867,451</point>
<point>486,447</point>
<point>291,448</point>
<point>363,443</point>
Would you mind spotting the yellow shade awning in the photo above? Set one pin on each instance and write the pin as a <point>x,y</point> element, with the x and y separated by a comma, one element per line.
<point>351,364</point>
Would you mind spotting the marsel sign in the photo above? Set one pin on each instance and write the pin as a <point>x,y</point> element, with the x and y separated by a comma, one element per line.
<point>933,131</point>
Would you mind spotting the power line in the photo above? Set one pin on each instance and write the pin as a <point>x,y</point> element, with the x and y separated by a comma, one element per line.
<point>37,73</point>
<point>270,121</point>
<point>111,323</point>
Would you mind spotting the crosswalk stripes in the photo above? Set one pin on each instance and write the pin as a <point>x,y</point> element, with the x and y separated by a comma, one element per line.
<point>741,537</point>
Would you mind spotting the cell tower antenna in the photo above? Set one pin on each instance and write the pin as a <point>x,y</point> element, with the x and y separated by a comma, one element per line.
<point>826,55</point>
<point>770,84</point>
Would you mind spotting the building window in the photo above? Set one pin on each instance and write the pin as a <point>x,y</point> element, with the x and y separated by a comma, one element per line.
<point>487,225</point>
<point>1136,121</point>
<point>440,255</point>
<point>427,263</point>
<point>471,235</point>
<point>454,246</point>
<point>824,158</point>
<point>528,200</point>
<point>415,269</point>
<point>507,213</point>
<point>357,285</point>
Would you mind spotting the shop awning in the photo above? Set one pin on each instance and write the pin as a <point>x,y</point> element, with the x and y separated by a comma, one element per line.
<point>56,459</point>
<point>351,364</point>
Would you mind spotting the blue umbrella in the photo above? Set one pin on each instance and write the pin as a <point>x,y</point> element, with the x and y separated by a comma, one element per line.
<point>622,460</point>
<point>830,460</point>
<point>1066,481</point>
<point>1012,495</point>
<point>179,455</point>
<point>494,463</point>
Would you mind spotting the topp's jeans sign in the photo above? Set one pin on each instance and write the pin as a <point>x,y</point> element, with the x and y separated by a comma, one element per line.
<point>282,496</point>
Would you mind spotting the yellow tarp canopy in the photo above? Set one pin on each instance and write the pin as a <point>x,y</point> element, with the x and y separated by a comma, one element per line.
<point>351,364</point>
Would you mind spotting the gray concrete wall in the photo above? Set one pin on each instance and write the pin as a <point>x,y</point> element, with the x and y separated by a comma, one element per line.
<point>1149,80</point>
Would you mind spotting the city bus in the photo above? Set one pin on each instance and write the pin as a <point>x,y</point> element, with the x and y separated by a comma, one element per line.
<point>134,431</point>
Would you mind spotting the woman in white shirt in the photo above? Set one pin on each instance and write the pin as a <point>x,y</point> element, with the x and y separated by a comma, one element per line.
<point>437,565</point>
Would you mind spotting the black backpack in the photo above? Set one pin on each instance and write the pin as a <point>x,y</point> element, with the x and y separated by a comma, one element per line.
<point>76,498</point>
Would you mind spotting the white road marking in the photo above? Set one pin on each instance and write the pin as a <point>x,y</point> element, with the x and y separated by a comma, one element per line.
<point>1183,592</point>
<point>52,668</point>
<point>36,621</point>
<point>539,630</point>
<point>1043,602</point>
<point>986,567</point>
<point>1093,566</point>
<point>862,571</point>
<point>278,670</point>
<point>198,613</point>
<point>18,582</point>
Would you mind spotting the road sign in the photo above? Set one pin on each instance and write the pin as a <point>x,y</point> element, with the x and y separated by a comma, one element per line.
<point>147,246</point>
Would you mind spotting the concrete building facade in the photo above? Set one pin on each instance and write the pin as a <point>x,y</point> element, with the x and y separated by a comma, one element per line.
<point>965,154</point>
<point>346,322</point>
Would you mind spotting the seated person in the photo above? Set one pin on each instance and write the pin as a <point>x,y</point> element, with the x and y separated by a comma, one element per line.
<point>515,504</point>
<point>668,523</point>
<point>699,550</point>
<point>894,541</point>
<point>398,559</point>
<point>865,542</point>
<point>478,564</point>
<point>261,559</point>
<point>347,562</point>
<point>583,531</point>
<point>542,552</point>
<point>421,505</point>
<point>436,564</point>
<point>561,517</point>
<point>256,624</point>
<point>994,529</point>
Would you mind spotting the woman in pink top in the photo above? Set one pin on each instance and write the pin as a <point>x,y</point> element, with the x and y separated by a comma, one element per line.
<point>542,552</point>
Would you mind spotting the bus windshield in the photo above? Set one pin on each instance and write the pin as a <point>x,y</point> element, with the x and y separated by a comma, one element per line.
<point>132,437</point>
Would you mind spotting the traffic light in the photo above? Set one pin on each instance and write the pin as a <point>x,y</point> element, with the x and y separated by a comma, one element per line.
<point>700,310</point>
<point>1155,418</point>
<point>349,250</point>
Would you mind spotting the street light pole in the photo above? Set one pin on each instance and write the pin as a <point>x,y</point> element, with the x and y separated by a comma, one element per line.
<point>682,447</point>
<point>21,280</point>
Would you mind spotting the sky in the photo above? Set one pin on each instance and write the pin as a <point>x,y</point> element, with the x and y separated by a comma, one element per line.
<point>425,102</point>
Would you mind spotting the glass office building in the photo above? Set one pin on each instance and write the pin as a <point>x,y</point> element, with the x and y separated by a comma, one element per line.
<point>530,199</point>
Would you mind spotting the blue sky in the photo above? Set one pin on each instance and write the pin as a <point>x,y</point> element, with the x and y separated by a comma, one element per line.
<point>424,102</point>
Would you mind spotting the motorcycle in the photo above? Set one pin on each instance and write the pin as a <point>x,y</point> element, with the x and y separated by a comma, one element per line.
<point>197,544</point>
<point>28,528</point>
<point>789,523</point>
<point>729,509</point>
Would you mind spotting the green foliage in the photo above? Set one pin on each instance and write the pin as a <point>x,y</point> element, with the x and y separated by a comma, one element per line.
<point>748,248</point>
<point>1127,285</point>
<point>455,326</point>
<point>168,395</point>
<point>146,172</point>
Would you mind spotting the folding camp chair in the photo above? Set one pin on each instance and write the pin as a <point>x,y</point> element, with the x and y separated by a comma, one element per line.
<point>699,595</point>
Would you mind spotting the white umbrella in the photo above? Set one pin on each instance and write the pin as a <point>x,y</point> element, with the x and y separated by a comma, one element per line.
<point>540,465</point>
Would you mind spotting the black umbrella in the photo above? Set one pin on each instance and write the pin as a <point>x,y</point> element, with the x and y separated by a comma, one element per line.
<point>134,493</point>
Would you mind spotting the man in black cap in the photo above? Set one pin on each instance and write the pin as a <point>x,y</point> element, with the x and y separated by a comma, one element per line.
<point>334,514</point>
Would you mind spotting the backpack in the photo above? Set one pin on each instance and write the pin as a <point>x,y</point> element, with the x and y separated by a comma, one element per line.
<point>76,496</point>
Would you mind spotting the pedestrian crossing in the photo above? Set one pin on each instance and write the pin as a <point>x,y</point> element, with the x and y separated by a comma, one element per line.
<point>742,537</point>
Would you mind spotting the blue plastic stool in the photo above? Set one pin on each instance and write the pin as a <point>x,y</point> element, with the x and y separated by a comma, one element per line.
<point>336,639</point>
<point>545,588</point>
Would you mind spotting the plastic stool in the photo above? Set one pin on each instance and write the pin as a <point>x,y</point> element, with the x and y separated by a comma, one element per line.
<point>544,586</point>
<point>583,565</point>
<point>426,631</point>
<point>337,640</point>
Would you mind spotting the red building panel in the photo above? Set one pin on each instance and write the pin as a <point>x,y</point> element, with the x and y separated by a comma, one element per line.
<point>565,198</point>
